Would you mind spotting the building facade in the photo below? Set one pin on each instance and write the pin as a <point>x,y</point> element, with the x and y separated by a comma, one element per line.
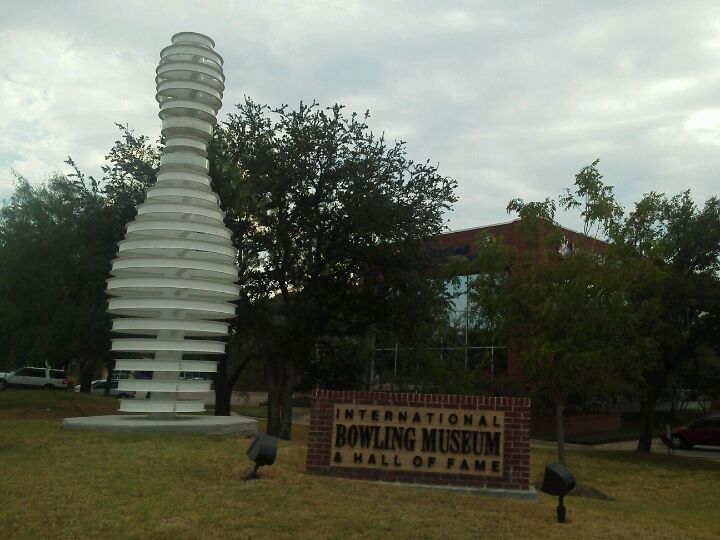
<point>467,340</point>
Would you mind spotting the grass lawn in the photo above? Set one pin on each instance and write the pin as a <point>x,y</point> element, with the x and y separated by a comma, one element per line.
<point>254,411</point>
<point>18,404</point>
<point>59,483</point>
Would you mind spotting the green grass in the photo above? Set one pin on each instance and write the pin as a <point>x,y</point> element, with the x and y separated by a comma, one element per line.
<point>67,484</point>
<point>20,404</point>
<point>254,411</point>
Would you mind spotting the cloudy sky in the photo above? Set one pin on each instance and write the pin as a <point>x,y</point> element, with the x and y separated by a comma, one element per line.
<point>510,98</point>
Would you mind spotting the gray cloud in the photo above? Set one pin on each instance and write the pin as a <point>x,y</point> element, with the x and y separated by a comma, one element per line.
<point>510,99</point>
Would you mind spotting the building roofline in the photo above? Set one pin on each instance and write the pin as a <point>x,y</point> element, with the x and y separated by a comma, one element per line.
<point>482,227</point>
<point>513,221</point>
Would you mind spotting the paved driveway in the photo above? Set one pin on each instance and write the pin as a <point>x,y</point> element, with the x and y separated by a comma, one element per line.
<point>705,452</point>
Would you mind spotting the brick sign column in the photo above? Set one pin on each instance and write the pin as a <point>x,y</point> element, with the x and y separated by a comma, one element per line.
<point>466,441</point>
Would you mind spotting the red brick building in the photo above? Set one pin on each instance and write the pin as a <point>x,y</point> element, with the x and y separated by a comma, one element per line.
<point>469,340</point>
<point>464,242</point>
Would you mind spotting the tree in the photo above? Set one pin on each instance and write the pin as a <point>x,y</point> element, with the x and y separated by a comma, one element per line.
<point>680,243</point>
<point>567,317</point>
<point>57,242</point>
<point>565,309</point>
<point>329,221</point>
<point>677,244</point>
<point>51,275</point>
<point>650,300</point>
<point>130,169</point>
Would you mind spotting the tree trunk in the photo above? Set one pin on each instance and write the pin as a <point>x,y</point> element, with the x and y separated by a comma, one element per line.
<point>281,384</point>
<point>224,384</point>
<point>272,376</point>
<point>560,429</point>
<point>222,392</point>
<point>86,376</point>
<point>673,407</point>
<point>286,400</point>
<point>222,401</point>
<point>647,420</point>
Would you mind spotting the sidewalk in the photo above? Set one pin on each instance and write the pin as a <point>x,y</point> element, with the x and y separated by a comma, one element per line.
<point>248,398</point>
<point>703,452</point>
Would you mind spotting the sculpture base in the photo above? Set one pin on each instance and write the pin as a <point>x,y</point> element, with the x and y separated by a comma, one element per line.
<point>220,425</point>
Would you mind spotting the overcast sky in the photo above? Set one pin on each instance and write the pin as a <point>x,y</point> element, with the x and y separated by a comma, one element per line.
<point>510,98</point>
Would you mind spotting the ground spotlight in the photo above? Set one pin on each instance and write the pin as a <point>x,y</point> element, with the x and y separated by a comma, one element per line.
<point>262,451</point>
<point>558,481</point>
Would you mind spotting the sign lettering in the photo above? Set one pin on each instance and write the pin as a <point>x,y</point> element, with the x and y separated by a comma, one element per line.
<point>456,441</point>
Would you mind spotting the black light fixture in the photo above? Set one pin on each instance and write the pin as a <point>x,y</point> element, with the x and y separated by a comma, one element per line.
<point>558,480</point>
<point>262,451</point>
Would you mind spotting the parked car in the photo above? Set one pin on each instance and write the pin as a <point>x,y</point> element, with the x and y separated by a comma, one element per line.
<point>705,431</point>
<point>98,387</point>
<point>34,377</point>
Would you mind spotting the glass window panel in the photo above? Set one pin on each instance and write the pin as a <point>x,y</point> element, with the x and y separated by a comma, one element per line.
<point>480,337</point>
<point>479,359</point>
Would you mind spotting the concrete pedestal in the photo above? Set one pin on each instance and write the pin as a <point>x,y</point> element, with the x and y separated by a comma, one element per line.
<point>180,424</point>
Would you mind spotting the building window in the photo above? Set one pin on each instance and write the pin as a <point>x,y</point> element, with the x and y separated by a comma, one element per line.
<point>465,340</point>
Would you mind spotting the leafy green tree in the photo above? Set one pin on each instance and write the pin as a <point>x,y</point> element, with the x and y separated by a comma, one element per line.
<point>51,275</point>
<point>57,242</point>
<point>664,261</point>
<point>338,362</point>
<point>329,222</point>
<point>680,243</point>
<point>566,310</point>
<point>129,170</point>
<point>568,319</point>
<point>596,201</point>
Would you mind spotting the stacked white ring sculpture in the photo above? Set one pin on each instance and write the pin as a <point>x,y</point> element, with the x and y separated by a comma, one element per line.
<point>174,277</point>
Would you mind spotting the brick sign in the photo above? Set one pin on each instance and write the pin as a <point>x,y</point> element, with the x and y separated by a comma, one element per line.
<point>471,441</point>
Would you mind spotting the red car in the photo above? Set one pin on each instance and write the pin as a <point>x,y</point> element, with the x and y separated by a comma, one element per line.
<point>705,431</point>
